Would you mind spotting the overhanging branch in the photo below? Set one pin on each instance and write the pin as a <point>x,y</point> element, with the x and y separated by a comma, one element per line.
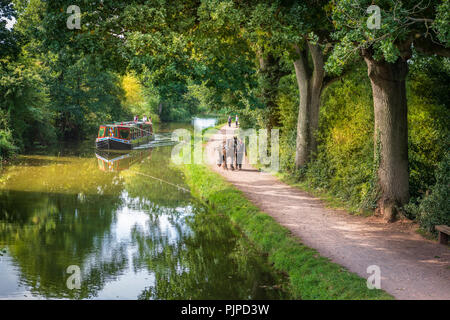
<point>425,45</point>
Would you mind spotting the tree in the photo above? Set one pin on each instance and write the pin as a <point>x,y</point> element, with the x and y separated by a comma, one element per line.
<point>405,27</point>
<point>224,55</point>
<point>263,31</point>
<point>151,38</point>
<point>300,29</point>
<point>8,38</point>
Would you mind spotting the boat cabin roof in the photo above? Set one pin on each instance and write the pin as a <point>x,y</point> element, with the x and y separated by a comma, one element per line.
<point>126,124</point>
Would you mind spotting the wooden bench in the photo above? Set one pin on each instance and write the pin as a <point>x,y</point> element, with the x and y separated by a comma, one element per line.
<point>444,232</point>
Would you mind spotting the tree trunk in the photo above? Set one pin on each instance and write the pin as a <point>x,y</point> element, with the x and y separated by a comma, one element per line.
<point>391,133</point>
<point>310,83</point>
<point>302,76</point>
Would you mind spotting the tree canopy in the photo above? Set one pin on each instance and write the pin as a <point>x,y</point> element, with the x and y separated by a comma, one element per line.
<point>278,64</point>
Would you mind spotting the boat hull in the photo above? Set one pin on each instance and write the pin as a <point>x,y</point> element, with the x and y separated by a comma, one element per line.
<point>120,145</point>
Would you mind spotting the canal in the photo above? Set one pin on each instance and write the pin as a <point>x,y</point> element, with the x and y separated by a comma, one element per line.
<point>127,223</point>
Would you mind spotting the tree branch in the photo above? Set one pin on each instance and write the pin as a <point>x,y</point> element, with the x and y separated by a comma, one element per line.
<point>425,45</point>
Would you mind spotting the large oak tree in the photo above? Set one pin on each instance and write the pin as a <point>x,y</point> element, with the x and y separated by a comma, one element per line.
<point>405,27</point>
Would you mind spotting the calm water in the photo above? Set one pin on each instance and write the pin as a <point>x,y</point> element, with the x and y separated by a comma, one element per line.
<point>128,222</point>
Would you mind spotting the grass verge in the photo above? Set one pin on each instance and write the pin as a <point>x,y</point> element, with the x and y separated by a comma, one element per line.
<point>311,276</point>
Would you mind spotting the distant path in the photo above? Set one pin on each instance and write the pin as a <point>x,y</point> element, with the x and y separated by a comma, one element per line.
<point>411,267</point>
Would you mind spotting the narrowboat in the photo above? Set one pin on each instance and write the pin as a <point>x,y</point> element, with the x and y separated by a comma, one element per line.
<point>124,135</point>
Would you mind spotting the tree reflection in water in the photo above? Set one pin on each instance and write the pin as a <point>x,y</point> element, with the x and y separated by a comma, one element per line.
<point>116,225</point>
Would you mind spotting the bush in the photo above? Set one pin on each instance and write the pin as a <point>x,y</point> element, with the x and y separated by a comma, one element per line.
<point>344,164</point>
<point>434,209</point>
<point>24,114</point>
<point>288,102</point>
<point>7,147</point>
<point>428,141</point>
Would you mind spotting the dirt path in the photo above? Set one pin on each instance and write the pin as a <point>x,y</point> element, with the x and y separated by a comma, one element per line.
<point>411,267</point>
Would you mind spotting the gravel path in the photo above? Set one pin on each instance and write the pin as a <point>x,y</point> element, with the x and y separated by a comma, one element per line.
<point>411,266</point>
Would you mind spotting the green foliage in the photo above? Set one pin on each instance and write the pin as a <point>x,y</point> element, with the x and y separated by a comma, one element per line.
<point>442,22</point>
<point>403,25</point>
<point>345,166</point>
<point>428,122</point>
<point>288,102</point>
<point>24,101</point>
<point>83,96</point>
<point>8,39</point>
<point>229,57</point>
<point>139,100</point>
<point>23,112</point>
<point>430,78</point>
<point>47,94</point>
<point>7,147</point>
<point>434,208</point>
<point>344,160</point>
<point>428,141</point>
<point>346,152</point>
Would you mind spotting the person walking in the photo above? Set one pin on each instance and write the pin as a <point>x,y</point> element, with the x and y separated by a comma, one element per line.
<point>229,121</point>
<point>237,121</point>
<point>231,152</point>
<point>235,152</point>
<point>240,153</point>
<point>224,154</point>
<point>219,154</point>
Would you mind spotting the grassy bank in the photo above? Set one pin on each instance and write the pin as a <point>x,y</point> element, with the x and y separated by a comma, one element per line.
<point>311,276</point>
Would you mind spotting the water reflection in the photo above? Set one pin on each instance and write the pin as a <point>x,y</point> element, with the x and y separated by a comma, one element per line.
<point>124,222</point>
<point>113,161</point>
<point>203,123</point>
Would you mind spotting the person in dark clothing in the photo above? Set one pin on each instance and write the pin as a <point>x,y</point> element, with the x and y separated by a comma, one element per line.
<point>231,152</point>
<point>224,154</point>
<point>229,121</point>
<point>219,154</point>
<point>240,153</point>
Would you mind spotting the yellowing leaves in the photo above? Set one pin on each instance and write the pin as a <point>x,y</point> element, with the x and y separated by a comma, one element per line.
<point>133,90</point>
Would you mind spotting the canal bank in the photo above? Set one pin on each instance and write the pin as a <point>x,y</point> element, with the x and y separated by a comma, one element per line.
<point>310,275</point>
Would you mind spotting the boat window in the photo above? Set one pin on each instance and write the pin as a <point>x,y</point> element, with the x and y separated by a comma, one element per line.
<point>101,132</point>
<point>124,133</point>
